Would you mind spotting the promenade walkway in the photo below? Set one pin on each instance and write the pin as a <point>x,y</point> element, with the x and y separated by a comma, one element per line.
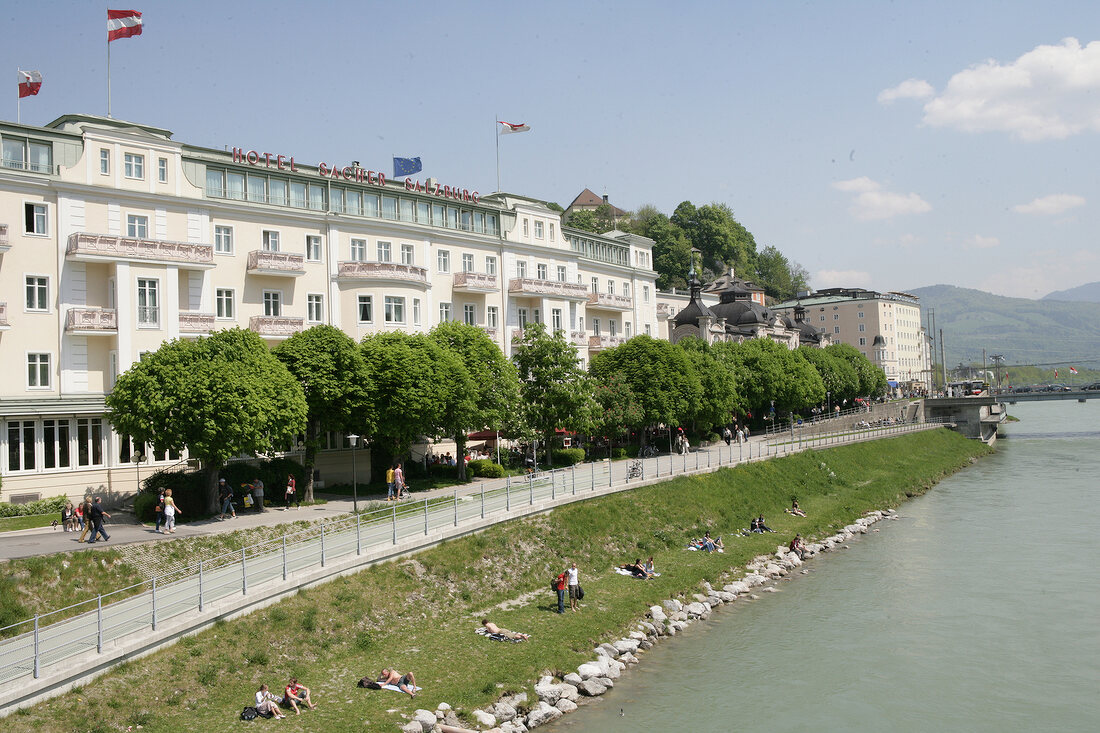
<point>46,658</point>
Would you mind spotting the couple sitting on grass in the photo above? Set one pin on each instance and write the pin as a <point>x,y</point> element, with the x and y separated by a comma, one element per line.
<point>707,544</point>
<point>640,570</point>
<point>267,704</point>
<point>795,510</point>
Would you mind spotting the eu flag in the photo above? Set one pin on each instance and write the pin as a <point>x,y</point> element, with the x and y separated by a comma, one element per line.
<point>406,166</point>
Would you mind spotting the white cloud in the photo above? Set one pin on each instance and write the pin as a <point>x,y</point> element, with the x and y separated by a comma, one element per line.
<point>980,242</point>
<point>1047,93</point>
<point>908,89</point>
<point>842,279</point>
<point>872,203</point>
<point>1055,203</point>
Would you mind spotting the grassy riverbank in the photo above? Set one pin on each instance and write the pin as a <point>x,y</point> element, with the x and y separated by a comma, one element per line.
<point>420,613</point>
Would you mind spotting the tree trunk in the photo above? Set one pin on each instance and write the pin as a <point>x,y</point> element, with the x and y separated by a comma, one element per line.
<point>460,454</point>
<point>309,460</point>
<point>549,443</point>
<point>212,503</point>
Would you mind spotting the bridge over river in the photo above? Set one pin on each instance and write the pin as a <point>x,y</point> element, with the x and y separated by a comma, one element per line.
<point>1078,394</point>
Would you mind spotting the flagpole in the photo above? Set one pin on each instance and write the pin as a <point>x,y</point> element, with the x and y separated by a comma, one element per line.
<point>18,102</point>
<point>108,75</point>
<point>496,133</point>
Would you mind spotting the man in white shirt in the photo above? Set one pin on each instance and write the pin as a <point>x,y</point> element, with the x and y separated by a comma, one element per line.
<point>573,579</point>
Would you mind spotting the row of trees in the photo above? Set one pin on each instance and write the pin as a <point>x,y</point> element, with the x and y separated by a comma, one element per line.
<point>228,395</point>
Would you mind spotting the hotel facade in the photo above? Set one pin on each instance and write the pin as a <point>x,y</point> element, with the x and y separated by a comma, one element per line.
<point>115,238</point>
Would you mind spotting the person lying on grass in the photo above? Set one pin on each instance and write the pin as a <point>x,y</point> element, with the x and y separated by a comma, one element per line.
<point>494,629</point>
<point>295,694</point>
<point>795,509</point>
<point>707,544</point>
<point>636,569</point>
<point>404,682</point>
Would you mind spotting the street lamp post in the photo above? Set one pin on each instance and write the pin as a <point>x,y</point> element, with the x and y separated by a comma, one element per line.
<point>354,440</point>
<point>828,403</point>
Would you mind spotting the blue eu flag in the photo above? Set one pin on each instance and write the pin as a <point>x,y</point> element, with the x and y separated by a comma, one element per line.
<point>406,166</point>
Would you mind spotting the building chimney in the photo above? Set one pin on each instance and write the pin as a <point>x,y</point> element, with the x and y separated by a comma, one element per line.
<point>731,273</point>
<point>605,198</point>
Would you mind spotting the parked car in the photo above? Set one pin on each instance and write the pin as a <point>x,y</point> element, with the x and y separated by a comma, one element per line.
<point>1057,388</point>
<point>1094,385</point>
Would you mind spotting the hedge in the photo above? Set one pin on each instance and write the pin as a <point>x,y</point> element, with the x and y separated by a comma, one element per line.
<point>42,506</point>
<point>485,468</point>
<point>568,456</point>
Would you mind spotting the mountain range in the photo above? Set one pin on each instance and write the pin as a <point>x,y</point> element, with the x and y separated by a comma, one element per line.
<point>1025,331</point>
<point>1089,293</point>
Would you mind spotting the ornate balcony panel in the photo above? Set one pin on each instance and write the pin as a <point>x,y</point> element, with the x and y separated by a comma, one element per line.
<point>610,301</point>
<point>99,247</point>
<point>474,282</point>
<point>4,246</point>
<point>663,310</point>
<point>191,322</point>
<point>383,272</point>
<point>4,325</point>
<point>604,342</point>
<point>92,321</point>
<point>492,332</point>
<point>276,327</point>
<point>547,288</point>
<point>283,264</point>
<point>579,338</point>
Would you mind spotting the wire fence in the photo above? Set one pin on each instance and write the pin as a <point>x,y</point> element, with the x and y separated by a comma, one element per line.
<point>51,639</point>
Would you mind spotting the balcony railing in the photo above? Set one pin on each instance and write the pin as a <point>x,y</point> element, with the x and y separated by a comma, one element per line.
<point>191,322</point>
<point>553,288</point>
<point>276,326</point>
<point>91,320</point>
<point>491,331</point>
<point>23,165</point>
<point>579,338</point>
<point>610,300</point>
<point>476,282</point>
<point>262,262</point>
<point>663,310</point>
<point>605,342</point>
<point>4,246</point>
<point>4,316</point>
<point>105,246</point>
<point>382,271</point>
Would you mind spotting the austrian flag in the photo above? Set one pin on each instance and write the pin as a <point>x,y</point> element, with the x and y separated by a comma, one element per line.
<point>29,83</point>
<point>123,24</point>
<point>510,128</point>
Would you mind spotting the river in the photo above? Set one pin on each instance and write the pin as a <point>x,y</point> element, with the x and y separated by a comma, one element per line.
<point>978,610</point>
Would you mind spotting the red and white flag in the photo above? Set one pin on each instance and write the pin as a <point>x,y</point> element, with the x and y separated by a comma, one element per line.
<point>123,24</point>
<point>29,83</point>
<point>509,127</point>
<point>1072,370</point>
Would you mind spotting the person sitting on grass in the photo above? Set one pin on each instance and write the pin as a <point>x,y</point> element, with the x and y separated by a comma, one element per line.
<point>761,527</point>
<point>494,629</point>
<point>267,704</point>
<point>648,568</point>
<point>404,682</point>
<point>295,693</point>
<point>636,569</point>
<point>795,509</point>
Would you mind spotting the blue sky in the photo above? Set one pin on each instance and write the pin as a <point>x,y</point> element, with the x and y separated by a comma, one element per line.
<point>888,145</point>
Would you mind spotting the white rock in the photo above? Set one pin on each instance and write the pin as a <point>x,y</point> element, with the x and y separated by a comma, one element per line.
<point>566,706</point>
<point>626,646</point>
<point>572,679</point>
<point>443,706</point>
<point>726,596</point>
<point>769,589</point>
<point>542,714</point>
<point>628,658</point>
<point>695,609</point>
<point>503,711</point>
<point>413,727</point>
<point>737,586</point>
<point>672,605</point>
<point>426,719</point>
<point>680,616</point>
<point>637,635</point>
<point>591,687</point>
<point>513,726</point>
<point>487,720</point>
<point>657,614</point>
<point>544,680</point>
<point>588,670</point>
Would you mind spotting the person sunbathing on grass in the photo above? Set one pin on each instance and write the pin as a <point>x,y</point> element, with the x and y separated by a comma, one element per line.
<point>636,569</point>
<point>494,629</point>
<point>795,509</point>
<point>404,682</point>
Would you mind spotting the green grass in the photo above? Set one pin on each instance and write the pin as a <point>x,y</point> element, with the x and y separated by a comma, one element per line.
<point>420,612</point>
<point>10,524</point>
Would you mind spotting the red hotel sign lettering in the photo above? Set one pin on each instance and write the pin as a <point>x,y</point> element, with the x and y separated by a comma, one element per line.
<point>351,173</point>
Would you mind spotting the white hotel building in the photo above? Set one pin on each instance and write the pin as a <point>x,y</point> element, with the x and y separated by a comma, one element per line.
<point>115,238</point>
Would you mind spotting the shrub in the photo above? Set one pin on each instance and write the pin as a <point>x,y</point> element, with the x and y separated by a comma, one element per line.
<point>42,506</point>
<point>485,468</point>
<point>568,456</point>
<point>620,452</point>
<point>713,438</point>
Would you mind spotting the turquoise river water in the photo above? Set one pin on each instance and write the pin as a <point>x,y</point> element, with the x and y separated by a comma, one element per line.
<point>979,610</point>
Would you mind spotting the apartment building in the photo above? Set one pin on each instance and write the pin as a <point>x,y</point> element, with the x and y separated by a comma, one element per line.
<point>115,238</point>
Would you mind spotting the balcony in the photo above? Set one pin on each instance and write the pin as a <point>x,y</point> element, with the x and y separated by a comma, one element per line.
<point>610,301</point>
<point>102,247</point>
<point>382,272</point>
<point>191,322</point>
<point>280,264</point>
<point>491,332</point>
<point>4,325</point>
<point>597,343</point>
<point>474,282</point>
<point>85,321</point>
<point>664,310</point>
<point>276,327</point>
<point>579,338</point>
<point>4,245</point>
<point>547,288</point>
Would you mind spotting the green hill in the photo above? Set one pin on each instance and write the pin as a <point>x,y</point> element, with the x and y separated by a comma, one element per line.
<point>1089,292</point>
<point>1026,331</point>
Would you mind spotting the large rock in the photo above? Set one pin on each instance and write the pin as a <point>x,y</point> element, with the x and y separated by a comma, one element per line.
<point>566,706</point>
<point>591,687</point>
<point>513,726</point>
<point>628,658</point>
<point>551,693</point>
<point>737,586</point>
<point>726,596</point>
<point>612,673</point>
<point>695,609</point>
<point>572,679</point>
<point>612,650</point>
<point>679,616</point>
<point>588,670</point>
<point>426,719</point>
<point>542,714</point>
<point>484,719</point>
<point>606,682</point>
<point>638,635</point>
<point>412,727</point>
<point>657,614</point>
<point>672,605</point>
<point>645,644</point>
<point>625,646</point>
<point>503,712</point>
<point>699,597</point>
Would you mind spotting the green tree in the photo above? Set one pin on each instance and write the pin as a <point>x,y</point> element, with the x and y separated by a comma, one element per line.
<point>671,248</point>
<point>617,408</point>
<point>872,380</point>
<point>605,218</point>
<point>769,373</point>
<point>554,206</point>
<point>554,391</point>
<point>723,241</point>
<point>659,374</point>
<point>337,387</point>
<point>219,397</point>
<point>838,376</point>
<point>584,219</point>
<point>493,381</point>
<point>719,398</point>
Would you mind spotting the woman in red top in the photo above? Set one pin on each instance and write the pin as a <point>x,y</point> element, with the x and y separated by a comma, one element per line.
<point>560,587</point>
<point>291,495</point>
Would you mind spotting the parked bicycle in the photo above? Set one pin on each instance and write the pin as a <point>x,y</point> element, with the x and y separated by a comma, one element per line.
<point>648,452</point>
<point>634,470</point>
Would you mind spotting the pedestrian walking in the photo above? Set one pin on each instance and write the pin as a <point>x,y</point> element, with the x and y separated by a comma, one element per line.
<point>389,483</point>
<point>291,495</point>
<point>86,512</point>
<point>96,516</point>
<point>398,479</point>
<point>225,498</point>
<point>170,512</point>
<point>257,494</point>
<point>158,510</point>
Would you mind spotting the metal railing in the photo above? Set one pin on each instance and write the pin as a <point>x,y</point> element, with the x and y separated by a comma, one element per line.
<point>54,638</point>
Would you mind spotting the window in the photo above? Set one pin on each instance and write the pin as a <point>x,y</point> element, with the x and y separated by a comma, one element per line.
<point>469,314</point>
<point>595,285</point>
<point>137,226</point>
<point>626,289</point>
<point>313,248</point>
<point>629,328</point>
<point>443,261</point>
<point>862,327</point>
<point>467,263</point>
<point>439,218</point>
<point>444,312</point>
<point>416,311</point>
<point>836,329</point>
<point>610,287</point>
<point>862,341</point>
<point>395,309</point>
<point>521,269</point>
<point>538,230</point>
<point>315,308</point>
<point>27,155</point>
<point>34,216</point>
<point>148,302</point>
<point>408,254</point>
<point>38,293</point>
<point>836,316</point>
<point>384,252</point>
<point>105,161</point>
<point>21,445</point>
<point>522,313</point>
<point>536,316</point>
<point>612,328</point>
<point>596,326</point>
<point>555,319</point>
<point>223,240</point>
<point>89,441</point>
<point>525,228</point>
<point>490,265</point>
<point>134,165</point>
<point>645,293</point>
<point>38,371</point>
<point>358,250</point>
<point>561,273</point>
<point>366,309</point>
<point>647,329</point>
<point>55,444</point>
<point>271,241</point>
<point>273,303</point>
<point>861,314</point>
<point>223,302</point>
<point>491,316</point>
<point>389,207</point>
<point>823,319</point>
<point>542,271</point>
<point>551,231</point>
<point>162,170</point>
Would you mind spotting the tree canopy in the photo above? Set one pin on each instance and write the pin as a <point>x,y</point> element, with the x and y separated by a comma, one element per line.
<point>719,399</point>
<point>872,380</point>
<point>583,219</point>
<point>837,374</point>
<point>768,372</point>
